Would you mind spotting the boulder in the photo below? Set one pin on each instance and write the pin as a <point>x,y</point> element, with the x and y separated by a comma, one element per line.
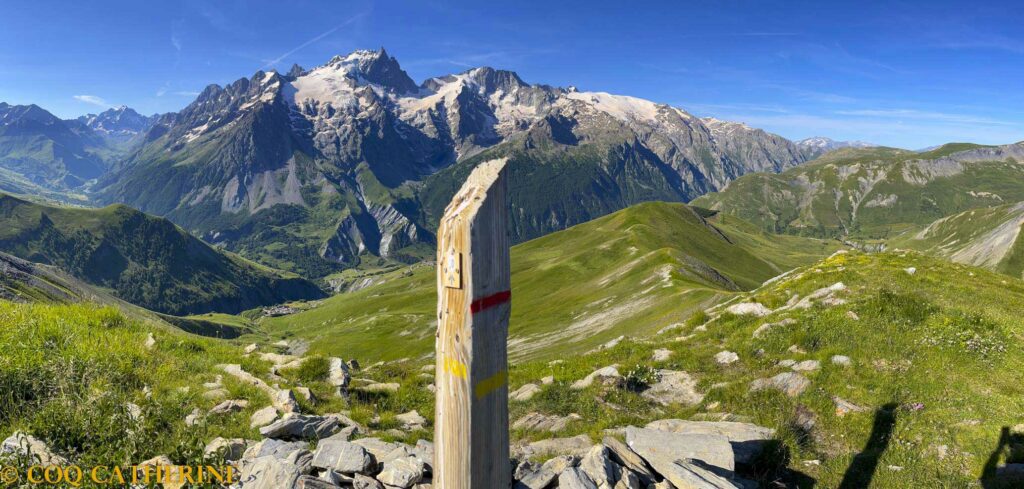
<point>402,471</point>
<point>748,440</point>
<point>661,355</point>
<point>626,457</point>
<point>171,477</point>
<point>301,458</point>
<point>726,357</point>
<point>550,379</point>
<point>606,375</point>
<point>411,420</point>
<point>748,309</point>
<point>629,480</point>
<point>150,341</point>
<point>342,456</point>
<point>268,473</point>
<point>300,426</point>
<point>338,375</point>
<point>25,445</point>
<point>263,417</point>
<point>790,383</point>
<point>599,468</point>
<point>661,448</point>
<point>305,394</point>
<point>674,387</point>
<point>231,449</point>
<point>250,348</point>
<point>524,393</point>
<point>574,478</point>
<point>542,477</point>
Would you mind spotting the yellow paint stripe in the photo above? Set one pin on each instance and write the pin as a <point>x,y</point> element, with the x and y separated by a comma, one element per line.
<point>490,384</point>
<point>455,367</point>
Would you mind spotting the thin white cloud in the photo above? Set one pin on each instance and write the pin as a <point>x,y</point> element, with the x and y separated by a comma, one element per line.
<point>92,99</point>
<point>926,116</point>
<point>273,62</point>
<point>186,93</point>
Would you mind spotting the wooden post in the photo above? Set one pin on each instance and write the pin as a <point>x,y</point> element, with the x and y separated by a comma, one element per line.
<point>473,306</point>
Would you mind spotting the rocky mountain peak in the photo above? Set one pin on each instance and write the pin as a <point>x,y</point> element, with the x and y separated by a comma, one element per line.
<point>375,67</point>
<point>491,80</point>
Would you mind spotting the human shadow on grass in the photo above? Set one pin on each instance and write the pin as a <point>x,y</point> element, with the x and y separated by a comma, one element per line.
<point>862,470</point>
<point>1011,474</point>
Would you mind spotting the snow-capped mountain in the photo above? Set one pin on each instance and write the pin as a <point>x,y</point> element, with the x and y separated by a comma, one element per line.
<point>358,147</point>
<point>118,123</point>
<point>819,145</point>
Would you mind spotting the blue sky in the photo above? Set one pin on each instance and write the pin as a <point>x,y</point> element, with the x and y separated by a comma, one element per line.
<point>908,74</point>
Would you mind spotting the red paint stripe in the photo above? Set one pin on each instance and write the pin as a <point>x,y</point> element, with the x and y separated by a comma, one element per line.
<point>490,301</point>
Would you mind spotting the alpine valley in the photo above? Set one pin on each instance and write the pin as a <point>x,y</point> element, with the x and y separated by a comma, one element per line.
<point>179,287</point>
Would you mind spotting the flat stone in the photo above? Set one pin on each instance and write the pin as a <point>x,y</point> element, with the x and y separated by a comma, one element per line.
<point>623,455</point>
<point>574,478</point>
<point>577,445</point>
<point>790,383</point>
<point>852,315</point>
<point>661,449</point>
<point>310,482</point>
<point>689,474</point>
<point>764,329</point>
<point>250,348</point>
<point>542,477</point>
<point>272,448</point>
<point>25,445</point>
<point>787,362</point>
<point>748,440</point>
<point>841,360</point>
<point>301,458</point>
<point>674,387</point>
<point>300,426</point>
<point>411,420</point>
<point>661,355</point>
<point>748,309</point>
<point>268,473</point>
<point>541,422</point>
<point>524,393</point>
<point>550,379</point>
<point>806,366</point>
<point>363,482</point>
<point>379,448</point>
<point>844,407</point>
<point>230,406</point>
<point>726,357</point>
<point>342,456</point>
<point>230,448</point>
<point>605,375</point>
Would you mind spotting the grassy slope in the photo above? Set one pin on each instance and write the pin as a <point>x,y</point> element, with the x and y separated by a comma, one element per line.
<point>987,237</point>
<point>801,200</point>
<point>951,345</point>
<point>629,273</point>
<point>141,259</point>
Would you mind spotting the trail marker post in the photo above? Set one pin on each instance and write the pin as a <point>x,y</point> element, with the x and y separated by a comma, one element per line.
<point>473,306</point>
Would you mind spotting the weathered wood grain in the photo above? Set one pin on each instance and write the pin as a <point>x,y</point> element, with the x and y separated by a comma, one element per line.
<point>474,303</point>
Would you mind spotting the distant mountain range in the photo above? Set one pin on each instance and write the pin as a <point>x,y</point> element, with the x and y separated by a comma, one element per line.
<point>351,163</point>
<point>817,146</point>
